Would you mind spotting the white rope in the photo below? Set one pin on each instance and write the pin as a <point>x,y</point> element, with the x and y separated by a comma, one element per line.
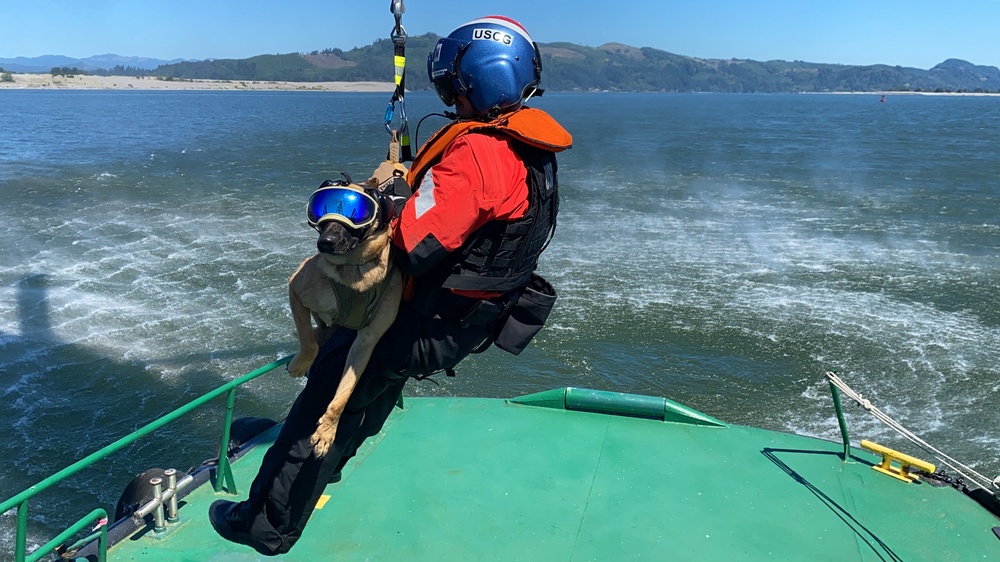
<point>958,467</point>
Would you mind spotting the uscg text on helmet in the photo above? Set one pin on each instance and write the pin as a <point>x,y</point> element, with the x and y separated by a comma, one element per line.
<point>492,35</point>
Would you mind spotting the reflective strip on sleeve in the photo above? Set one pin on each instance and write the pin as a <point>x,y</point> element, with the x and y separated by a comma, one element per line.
<point>424,201</point>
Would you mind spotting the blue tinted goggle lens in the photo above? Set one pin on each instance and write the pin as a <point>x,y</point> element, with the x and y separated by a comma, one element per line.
<point>353,208</point>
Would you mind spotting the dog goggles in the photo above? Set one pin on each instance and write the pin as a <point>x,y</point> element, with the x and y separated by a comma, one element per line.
<point>349,206</point>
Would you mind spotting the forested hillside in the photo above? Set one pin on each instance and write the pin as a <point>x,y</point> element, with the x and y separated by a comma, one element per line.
<point>612,67</point>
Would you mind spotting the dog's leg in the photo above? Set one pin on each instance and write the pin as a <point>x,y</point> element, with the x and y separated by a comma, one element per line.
<point>357,359</point>
<point>307,336</point>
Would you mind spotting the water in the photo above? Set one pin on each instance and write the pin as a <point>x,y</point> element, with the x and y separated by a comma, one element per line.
<point>720,250</point>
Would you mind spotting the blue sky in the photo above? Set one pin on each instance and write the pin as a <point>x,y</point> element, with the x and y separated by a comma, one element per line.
<point>918,33</point>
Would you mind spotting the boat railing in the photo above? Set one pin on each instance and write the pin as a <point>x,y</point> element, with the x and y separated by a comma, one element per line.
<point>845,435</point>
<point>224,475</point>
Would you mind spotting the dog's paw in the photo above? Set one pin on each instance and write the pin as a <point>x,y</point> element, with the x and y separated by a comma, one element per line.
<point>322,438</point>
<point>298,366</point>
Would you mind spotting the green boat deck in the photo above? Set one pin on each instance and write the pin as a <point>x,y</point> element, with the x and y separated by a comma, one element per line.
<point>485,479</point>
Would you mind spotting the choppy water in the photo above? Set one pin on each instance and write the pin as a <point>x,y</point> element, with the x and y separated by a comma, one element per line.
<point>720,250</point>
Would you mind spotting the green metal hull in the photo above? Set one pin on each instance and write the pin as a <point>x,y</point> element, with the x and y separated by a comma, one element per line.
<point>483,479</point>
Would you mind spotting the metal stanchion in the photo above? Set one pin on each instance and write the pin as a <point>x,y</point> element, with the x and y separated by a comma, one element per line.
<point>171,474</point>
<point>159,525</point>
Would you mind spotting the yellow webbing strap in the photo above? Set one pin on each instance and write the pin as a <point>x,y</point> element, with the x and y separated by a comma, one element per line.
<point>400,68</point>
<point>399,62</point>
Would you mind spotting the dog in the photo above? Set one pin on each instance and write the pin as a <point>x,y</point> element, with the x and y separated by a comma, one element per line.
<point>350,282</point>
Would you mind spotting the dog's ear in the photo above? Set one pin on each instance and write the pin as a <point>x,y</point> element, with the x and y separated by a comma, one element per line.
<point>346,181</point>
<point>396,191</point>
<point>386,171</point>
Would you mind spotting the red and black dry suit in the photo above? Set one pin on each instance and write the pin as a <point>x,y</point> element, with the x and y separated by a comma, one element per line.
<point>484,208</point>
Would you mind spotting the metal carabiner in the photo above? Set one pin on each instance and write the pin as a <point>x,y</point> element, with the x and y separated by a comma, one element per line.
<point>398,35</point>
<point>397,8</point>
<point>389,112</point>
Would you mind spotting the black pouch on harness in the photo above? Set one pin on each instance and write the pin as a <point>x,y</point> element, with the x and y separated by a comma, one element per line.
<point>527,316</point>
<point>483,313</point>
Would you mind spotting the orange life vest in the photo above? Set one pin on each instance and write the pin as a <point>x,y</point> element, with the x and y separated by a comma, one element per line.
<point>531,126</point>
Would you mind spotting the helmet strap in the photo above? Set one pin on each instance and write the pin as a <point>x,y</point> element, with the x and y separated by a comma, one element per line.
<point>537,62</point>
<point>458,71</point>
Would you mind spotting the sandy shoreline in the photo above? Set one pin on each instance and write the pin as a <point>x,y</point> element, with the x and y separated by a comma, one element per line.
<point>81,82</point>
<point>888,93</point>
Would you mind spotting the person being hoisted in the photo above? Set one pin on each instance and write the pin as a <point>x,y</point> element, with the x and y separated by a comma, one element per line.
<point>483,210</point>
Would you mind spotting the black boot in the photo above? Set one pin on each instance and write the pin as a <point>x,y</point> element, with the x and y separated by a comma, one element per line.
<point>225,518</point>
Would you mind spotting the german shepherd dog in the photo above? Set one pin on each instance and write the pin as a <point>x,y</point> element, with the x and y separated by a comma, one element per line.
<point>351,282</point>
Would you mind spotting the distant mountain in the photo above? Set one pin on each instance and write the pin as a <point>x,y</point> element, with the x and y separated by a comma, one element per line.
<point>37,64</point>
<point>960,71</point>
<point>618,67</point>
<point>612,67</point>
<point>371,63</point>
<point>46,63</point>
<point>566,67</point>
<point>110,61</point>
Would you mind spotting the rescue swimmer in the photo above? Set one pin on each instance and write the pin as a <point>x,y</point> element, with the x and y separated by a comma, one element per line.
<point>469,239</point>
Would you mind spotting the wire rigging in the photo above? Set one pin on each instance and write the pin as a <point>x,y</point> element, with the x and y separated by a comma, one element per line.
<point>963,470</point>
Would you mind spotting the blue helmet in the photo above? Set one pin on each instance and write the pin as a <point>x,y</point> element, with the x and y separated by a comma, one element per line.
<point>490,63</point>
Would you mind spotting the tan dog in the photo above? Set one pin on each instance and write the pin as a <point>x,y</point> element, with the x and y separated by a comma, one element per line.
<point>351,282</point>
